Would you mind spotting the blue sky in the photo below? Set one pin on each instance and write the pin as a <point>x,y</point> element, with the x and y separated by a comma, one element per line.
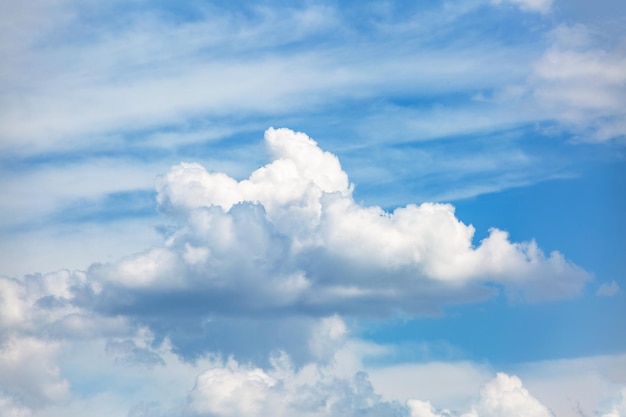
<point>329,208</point>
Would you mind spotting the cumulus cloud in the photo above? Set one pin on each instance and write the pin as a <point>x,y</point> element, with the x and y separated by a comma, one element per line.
<point>50,304</point>
<point>504,396</point>
<point>232,389</point>
<point>290,242</point>
<point>328,384</point>
<point>261,265</point>
<point>29,373</point>
<point>292,237</point>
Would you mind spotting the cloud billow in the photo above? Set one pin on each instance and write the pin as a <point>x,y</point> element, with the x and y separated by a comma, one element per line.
<point>291,238</point>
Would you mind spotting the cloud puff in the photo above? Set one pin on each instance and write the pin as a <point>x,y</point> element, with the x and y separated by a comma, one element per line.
<point>28,371</point>
<point>290,241</point>
<point>504,396</point>
<point>292,237</point>
<point>233,389</point>
<point>35,381</point>
<point>272,254</point>
<point>260,265</point>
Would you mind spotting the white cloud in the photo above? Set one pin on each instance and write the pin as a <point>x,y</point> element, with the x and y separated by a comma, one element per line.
<point>28,371</point>
<point>582,84</point>
<point>588,386</point>
<point>148,72</point>
<point>231,391</point>
<point>327,336</point>
<point>424,409</point>
<point>100,375</point>
<point>234,389</point>
<point>262,233</point>
<point>291,240</point>
<point>255,266</point>
<point>541,6</point>
<point>44,191</point>
<point>37,300</point>
<point>608,289</point>
<point>505,396</point>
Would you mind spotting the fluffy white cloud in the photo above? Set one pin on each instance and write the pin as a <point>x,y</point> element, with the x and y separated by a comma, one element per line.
<point>260,265</point>
<point>37,301</point>
<point>327,336</point>
<point>40,377</point>
<point>290,241</point>
<point>424,409</point>
<point>504,396</point>
<point>291,235</point>
<point>233,389</point>
<point>28,371</point>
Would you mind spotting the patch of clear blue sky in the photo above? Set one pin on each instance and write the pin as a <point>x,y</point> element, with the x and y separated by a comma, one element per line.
<point>110,207</point>
<point>502,333</point>
<point>581,217</point>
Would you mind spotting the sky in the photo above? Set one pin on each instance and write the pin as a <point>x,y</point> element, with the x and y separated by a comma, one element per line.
<point>316,208</point>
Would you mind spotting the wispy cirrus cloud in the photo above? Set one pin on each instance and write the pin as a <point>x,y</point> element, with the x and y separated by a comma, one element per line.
<point>233,63</point>
<point>582,84</point>
<point>541,6</point>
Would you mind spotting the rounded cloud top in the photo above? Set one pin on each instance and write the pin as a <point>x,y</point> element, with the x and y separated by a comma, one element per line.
<point>292,237</point>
